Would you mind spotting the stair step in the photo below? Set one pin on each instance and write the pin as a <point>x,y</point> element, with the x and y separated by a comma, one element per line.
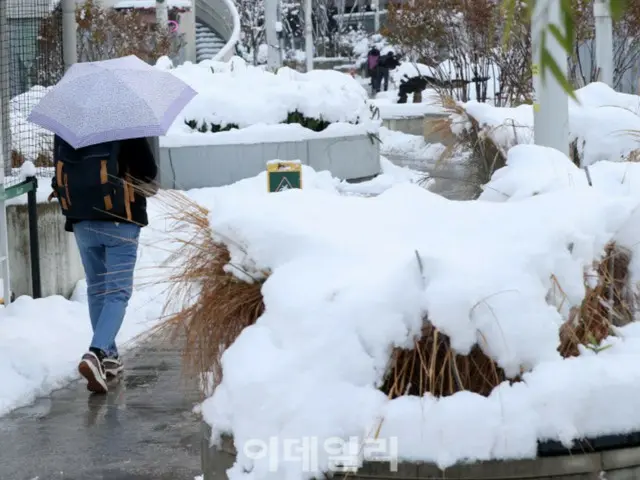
<point>208,43</point>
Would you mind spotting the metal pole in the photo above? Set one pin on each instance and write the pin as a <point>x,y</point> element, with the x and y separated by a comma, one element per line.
<point>162,14</point>
<point>34,244</point>
<point>551,102</point>
<point>270,20</point>
<point>604,40</point>
<point>69,33</point>
<point>376,16</point>
<point>308,34</point>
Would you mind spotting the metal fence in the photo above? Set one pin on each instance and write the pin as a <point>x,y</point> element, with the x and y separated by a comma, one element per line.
<point>31,56</point>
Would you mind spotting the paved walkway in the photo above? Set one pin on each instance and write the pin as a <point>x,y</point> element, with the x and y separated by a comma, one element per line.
<point>142,430</point>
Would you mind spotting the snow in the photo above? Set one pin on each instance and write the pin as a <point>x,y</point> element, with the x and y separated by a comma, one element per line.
<point>152,4</point>
<point>387,104</point>
<point>262,133</point>
<point>244,95</point>
<point>41,340</point>
<point>603,123</point>
<point>346,286</point>
<point>408,146</point>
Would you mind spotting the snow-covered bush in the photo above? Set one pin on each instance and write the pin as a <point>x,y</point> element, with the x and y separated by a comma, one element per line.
<point>236,95</point>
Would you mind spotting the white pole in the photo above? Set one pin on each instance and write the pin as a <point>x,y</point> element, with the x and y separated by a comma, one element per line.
<point>376,15</point>
<point>308,34</point>
<point>271,33</point>
<point>604,40</point>
<point>162,14</point>
<point>69,35</point>
<point>551,102</point>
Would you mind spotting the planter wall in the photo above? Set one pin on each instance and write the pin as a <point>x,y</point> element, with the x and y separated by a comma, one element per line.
<point>354,158</point>
<point>617,464</point>
<point>419,125</point>
<point>60,264</point>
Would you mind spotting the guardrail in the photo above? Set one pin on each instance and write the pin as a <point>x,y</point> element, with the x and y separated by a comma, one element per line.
<point>222,16</point>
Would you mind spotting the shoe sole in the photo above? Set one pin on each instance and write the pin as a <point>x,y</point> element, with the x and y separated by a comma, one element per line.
<point>88,371</point>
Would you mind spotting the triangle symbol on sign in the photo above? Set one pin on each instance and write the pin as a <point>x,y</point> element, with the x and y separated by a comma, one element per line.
<point>284,184</point>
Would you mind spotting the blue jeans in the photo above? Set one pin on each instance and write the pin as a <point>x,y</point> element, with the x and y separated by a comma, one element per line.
<point>108,251</point>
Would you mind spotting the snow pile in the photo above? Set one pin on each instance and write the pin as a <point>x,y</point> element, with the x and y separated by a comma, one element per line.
<point>238,94</point>
<point>351,278</point>
<point>42,340</point>
<point>603,124</point>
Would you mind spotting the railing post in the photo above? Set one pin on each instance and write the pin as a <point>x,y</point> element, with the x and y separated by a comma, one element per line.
<point>34,242</point>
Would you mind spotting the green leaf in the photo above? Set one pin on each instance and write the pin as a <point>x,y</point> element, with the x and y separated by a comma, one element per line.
<point>618,7</point>
<point>509,12</point>
<point>547,62</point>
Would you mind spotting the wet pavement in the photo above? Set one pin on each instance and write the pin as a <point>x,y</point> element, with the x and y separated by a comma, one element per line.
<point>144,429</point>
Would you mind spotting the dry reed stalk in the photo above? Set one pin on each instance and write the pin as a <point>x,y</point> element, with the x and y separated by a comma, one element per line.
<point>211,307</point>
<point>433,367</point>
<point>606,305</point>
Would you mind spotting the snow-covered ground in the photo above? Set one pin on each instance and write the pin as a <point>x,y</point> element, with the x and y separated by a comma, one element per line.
<point>42,340</point>
<point>351,278</point>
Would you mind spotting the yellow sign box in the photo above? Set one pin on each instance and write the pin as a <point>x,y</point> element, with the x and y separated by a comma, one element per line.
<point>283,175</point>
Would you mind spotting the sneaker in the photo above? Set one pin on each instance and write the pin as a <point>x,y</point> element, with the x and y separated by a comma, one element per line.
<point>91,368</point>
<point>112,366</point>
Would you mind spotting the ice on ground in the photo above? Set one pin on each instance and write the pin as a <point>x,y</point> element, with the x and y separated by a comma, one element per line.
<point>352,278</point>
<point>42,340</point>
<point>604,125</point>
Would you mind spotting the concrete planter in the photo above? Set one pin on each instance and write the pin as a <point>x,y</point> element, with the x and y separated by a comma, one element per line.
<point>60,264</point>
<point>617,464</point>
<point>354,157</point>
<point>419,125</point>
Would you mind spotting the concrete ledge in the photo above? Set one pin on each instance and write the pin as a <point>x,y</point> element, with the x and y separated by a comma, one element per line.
<point>346,157</point>
<point>60,264</point>
<point>420,125</point>
<point>620,464</point>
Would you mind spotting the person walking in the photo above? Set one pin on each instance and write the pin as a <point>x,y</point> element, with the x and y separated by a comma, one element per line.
<point>387,63</point>
<point>99,190</point>
<point>373,57</point>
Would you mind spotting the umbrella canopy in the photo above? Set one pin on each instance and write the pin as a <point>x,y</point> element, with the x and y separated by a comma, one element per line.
<point>97,102</point>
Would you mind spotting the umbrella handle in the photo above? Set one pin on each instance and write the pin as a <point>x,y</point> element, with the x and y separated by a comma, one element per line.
<point>173,26</point>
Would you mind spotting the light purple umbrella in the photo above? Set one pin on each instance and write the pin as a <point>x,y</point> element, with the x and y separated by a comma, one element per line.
<point>97,102</point>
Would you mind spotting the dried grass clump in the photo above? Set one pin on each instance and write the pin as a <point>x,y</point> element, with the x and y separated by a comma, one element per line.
<point>606,305</point>
<point>211,306</point>
<point>432,366</point>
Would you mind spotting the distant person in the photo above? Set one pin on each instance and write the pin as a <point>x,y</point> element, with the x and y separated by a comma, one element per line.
<point>387,63</point>
<point>95,188</point>
<point>373,58</point>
